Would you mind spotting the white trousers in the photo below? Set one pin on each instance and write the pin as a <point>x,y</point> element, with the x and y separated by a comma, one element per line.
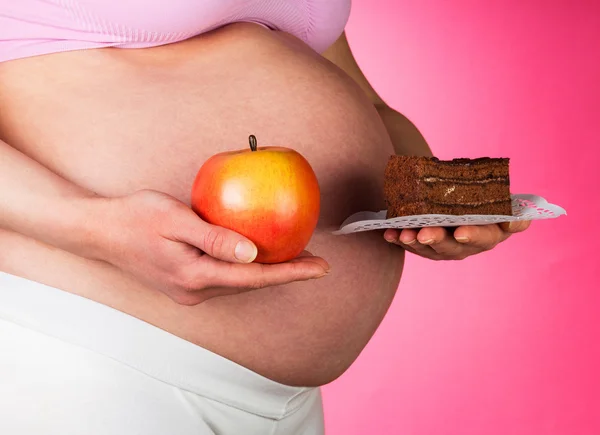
<point>71,366</point>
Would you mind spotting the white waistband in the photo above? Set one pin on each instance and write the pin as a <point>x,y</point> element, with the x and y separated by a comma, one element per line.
<point>144,347</point>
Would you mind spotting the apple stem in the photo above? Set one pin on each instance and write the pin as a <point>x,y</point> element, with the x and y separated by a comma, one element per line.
<point>252,140</point>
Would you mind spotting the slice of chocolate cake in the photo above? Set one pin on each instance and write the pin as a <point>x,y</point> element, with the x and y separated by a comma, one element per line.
<point>427,185</point>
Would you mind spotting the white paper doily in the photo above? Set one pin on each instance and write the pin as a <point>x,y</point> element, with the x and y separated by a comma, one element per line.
<point>525,207</point>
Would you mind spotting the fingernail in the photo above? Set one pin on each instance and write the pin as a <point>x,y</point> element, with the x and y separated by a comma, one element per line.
<point>409,242</point>
<point>321,275</point>
<point>389,238</point>
<point>462,239</point>
<point>427,242</point>
<point>326,268</point>
<point>245,252</point>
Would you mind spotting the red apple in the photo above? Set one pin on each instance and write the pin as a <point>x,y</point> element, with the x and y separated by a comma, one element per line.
<point>268,194</point>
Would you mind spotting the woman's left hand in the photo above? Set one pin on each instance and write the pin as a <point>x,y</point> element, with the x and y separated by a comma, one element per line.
<point>437,243</point>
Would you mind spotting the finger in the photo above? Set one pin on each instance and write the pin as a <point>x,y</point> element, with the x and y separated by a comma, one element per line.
<point>408,236</point>
<point>392,235</point>
<point>214,273</point>
<point>484,237</point>
<point>431,235</point>
<point>515,226</point>
<point>411,240</point>
<point>444,243</point>
<point>218,242</point>
<point>400,237</point>
<point>405,237</point>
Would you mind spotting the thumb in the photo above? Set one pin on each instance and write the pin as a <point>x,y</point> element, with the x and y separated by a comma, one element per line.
<point>218,242</point>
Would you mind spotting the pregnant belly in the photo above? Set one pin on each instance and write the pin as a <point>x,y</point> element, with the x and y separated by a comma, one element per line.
<point>116,121</point>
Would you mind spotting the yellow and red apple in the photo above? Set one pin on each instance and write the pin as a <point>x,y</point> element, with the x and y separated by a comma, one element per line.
<point>268,194</point>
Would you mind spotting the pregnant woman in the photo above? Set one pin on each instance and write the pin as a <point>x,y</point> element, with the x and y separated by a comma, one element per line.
<point>121,311</point>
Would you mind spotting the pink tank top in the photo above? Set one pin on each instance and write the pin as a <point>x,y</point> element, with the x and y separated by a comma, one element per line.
<point>35,27</point>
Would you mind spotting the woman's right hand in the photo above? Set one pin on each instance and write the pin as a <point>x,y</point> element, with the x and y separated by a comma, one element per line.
<point>166,245</point>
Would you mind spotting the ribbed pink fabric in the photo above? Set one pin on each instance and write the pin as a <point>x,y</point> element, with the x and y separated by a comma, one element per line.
<point>36,27</point>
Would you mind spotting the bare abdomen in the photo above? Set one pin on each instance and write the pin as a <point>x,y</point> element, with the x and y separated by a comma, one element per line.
<point>116,121</point>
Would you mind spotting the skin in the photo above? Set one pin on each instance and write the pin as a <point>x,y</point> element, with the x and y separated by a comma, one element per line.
<point>103,148</point>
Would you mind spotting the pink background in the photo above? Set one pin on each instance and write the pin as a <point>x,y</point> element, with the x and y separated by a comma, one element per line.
<point>507,342</point>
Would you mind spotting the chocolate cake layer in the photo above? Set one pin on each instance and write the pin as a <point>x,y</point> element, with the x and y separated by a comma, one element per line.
<point>475,169</point>
<point>452,192</point>
<point>422,185</point>
<point>418,208</point>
